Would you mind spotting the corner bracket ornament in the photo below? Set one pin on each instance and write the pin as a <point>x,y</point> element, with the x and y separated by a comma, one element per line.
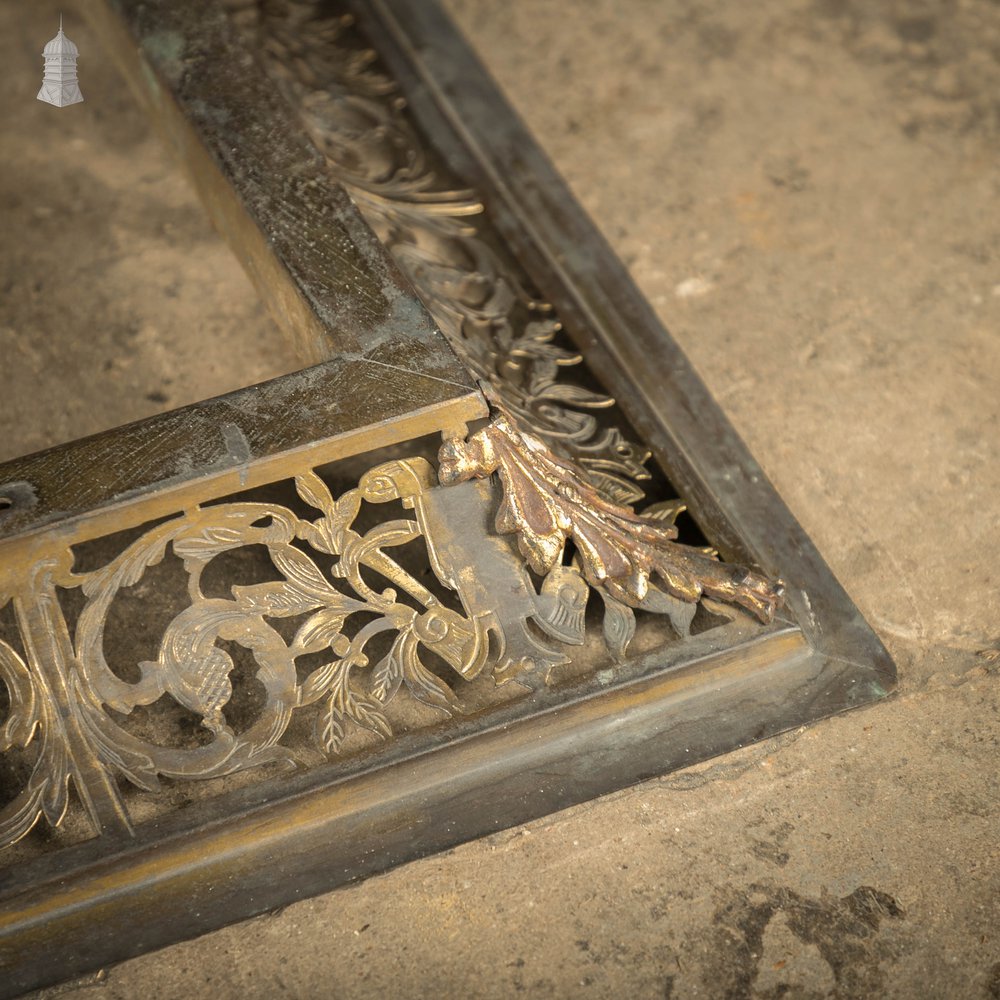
<point>632,559</point>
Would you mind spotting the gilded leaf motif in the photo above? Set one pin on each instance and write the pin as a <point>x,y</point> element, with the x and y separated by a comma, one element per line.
<point>546,503</point>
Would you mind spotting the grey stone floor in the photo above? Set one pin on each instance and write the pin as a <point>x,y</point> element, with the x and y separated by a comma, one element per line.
<point>808,194</point>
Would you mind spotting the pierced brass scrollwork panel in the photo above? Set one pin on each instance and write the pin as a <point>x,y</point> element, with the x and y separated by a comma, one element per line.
<point>532,520</point>
<point>373,628</point>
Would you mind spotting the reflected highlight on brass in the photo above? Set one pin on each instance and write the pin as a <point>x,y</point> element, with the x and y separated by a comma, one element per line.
<point>547,502</point>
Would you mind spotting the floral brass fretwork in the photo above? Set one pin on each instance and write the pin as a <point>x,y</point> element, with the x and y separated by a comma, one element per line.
<point>64,694</point>
<point>545,442</point>
<point>439,236</point>
<point>343,592</point>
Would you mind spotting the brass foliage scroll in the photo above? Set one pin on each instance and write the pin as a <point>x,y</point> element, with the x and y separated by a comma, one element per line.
<point>346,629</point>
<point>364,629</point>
<point>338,612</point>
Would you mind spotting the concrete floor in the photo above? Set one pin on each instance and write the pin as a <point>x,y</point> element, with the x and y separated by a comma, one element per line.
<point>808,193</point>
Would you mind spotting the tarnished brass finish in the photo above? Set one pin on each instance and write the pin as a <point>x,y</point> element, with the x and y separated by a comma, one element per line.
<point>366,659</point>
<point>322,273</point>
<point>440,236</point>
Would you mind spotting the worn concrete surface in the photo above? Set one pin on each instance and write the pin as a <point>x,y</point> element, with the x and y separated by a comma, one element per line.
<point>808,193</point>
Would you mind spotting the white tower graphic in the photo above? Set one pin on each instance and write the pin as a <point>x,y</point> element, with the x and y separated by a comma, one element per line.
<point>59,86</point>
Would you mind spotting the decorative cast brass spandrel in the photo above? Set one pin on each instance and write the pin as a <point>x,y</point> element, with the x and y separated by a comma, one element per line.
<point>547,503</point>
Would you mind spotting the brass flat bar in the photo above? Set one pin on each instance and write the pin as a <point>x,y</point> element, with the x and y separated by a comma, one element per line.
<point>420,804</point>
<point>155,467</point>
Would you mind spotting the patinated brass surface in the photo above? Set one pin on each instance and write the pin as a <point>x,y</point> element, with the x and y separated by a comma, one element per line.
<point>440,235</point>
<point>361,664</point>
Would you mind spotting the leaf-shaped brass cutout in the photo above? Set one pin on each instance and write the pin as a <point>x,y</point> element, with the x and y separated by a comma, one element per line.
<point>548,501</point>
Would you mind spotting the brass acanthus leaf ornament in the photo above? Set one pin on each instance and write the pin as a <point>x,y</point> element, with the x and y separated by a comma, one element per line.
<point>625,555</point>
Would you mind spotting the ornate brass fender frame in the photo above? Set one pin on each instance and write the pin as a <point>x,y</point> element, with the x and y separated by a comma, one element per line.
<point>511,641</point>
